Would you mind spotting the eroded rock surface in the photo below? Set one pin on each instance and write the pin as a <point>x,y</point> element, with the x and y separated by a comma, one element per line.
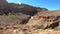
<point>45,20</point>
<point>26,19</point>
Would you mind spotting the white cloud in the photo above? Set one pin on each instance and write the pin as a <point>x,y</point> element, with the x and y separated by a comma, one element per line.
<point>19,2</point>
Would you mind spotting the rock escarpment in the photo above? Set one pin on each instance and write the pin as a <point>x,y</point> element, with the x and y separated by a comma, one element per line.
<point>45,20</point>
<point>6,8</point>
<point>26,19</point>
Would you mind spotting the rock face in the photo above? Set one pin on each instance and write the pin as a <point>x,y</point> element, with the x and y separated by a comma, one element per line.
<point>3,7</point>
<point>27,9</point>
<point>3,4</point>
<point>26,19</point>
<point>6,8</point>
<point>45,20</point>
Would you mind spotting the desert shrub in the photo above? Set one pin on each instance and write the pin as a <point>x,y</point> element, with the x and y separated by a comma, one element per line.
<point>39,26</point>
<point>12,17</point>
<point>57,28</point>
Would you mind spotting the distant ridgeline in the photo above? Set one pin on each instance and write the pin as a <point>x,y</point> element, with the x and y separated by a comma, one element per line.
<point>6,8</point>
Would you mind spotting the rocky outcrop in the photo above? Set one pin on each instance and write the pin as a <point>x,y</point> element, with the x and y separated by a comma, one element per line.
<point>6,8</point>
<point>27,9</point>
<point>27,19</point>
<point>3,4</point>
<point>45,20</point>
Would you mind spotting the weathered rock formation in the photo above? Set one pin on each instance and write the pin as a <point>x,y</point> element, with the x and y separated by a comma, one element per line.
<point>26,19</point>
<point>45,20</point>
<point>6,8</point>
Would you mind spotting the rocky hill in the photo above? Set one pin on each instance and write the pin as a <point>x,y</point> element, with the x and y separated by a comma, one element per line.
<point>47,22</point>
<point>6,8</point>
<point>27,19</point>
<point>48,19</point>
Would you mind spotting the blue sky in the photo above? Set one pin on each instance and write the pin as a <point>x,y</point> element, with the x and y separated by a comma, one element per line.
<point>49,4</point>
